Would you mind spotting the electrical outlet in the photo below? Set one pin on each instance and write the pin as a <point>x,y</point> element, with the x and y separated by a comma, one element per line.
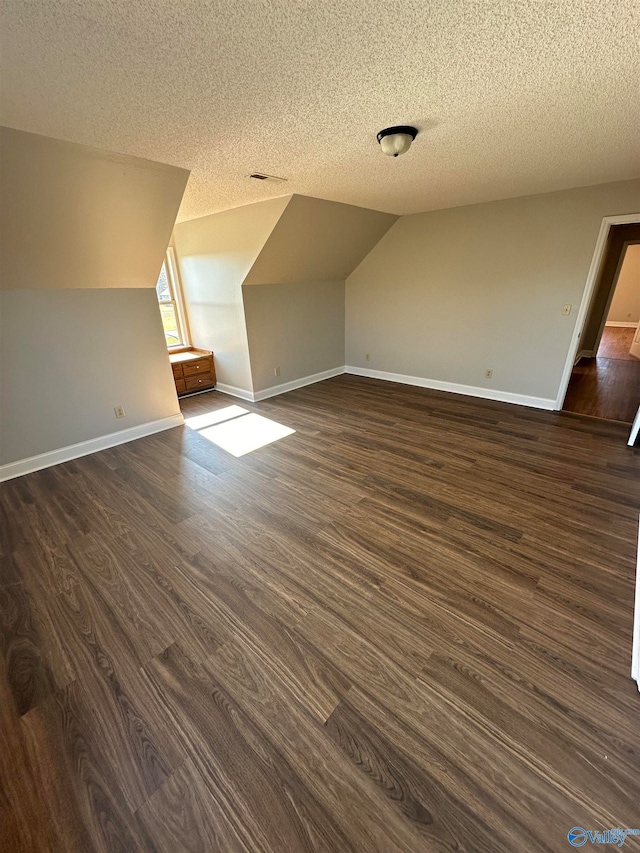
<point>366,356</point>
<point>566,309</point>
<point>276,371</point>
<point>488,374</point>
<point>119,410</point>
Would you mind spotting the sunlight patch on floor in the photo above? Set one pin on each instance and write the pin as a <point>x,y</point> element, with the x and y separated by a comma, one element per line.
<point>236,430</point>
<point>245,434</point>
<point>215,417</point>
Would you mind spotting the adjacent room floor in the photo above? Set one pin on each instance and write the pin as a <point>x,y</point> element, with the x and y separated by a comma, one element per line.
<point>402,625</point>
<point>607,386</point>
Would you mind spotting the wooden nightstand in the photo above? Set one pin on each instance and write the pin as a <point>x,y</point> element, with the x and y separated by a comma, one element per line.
<point>193,370</point>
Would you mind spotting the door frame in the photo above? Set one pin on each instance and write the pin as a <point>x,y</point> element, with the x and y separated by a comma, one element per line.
<point>592,277</point>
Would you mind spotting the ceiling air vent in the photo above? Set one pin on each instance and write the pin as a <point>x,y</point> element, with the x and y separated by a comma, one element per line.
<point>260,176</point>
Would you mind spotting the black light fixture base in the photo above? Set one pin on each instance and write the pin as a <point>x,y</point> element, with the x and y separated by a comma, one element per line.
<point>401,128</point>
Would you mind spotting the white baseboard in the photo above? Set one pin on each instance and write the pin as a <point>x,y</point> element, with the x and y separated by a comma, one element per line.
<point>234,392</point>
<point>615,324</point>
<point>297,383</point>
<point>584,353</point>
<point>74,451</point>
<point>454,388</point>
<point>274,390</point>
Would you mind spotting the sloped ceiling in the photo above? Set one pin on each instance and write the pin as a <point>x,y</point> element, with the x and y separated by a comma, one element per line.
<point>511,97</point>
<point>224,246</point>
<point>316,240</point>
<point>73,216</point>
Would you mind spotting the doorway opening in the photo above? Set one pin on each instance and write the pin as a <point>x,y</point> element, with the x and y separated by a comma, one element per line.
<point>605,380</point>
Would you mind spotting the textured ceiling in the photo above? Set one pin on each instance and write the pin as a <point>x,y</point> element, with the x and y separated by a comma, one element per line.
<point>511,96</point>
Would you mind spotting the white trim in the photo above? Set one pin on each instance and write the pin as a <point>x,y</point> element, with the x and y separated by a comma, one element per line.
<point>635,429</point>
<point>175,286</point>
<point>594,269</point>
<point>83,448</point>
<point>297,383</point>
<point>275,390</point>
<point>635,649</point>
<point>454,388</point>
<point>616,324</point>
<point>234,392</point>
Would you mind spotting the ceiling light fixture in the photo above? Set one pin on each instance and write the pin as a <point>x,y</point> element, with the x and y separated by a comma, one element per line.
<point>262,176</point>
<point>396,140</point>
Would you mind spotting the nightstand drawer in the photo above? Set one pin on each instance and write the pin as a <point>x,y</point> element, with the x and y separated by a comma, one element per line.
<point>203,380</point>
<point>193,368</point>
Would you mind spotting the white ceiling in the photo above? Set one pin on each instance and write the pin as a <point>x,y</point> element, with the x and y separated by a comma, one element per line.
<point>511,97</point>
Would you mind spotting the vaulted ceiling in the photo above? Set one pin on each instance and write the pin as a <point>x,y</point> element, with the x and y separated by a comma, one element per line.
<point>511,97</point>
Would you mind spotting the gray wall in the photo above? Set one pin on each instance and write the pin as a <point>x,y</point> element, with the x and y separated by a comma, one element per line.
<point>625,305</point>
<point>69,356</point>
<point>215,253</point>
<point>82,237</point>
<point>296,327</point>
<point>448,294</point>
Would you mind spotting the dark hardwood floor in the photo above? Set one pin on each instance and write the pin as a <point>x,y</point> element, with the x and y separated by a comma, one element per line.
<point>616,343</point>
<point>406,627</point>
<point>607,386</point>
